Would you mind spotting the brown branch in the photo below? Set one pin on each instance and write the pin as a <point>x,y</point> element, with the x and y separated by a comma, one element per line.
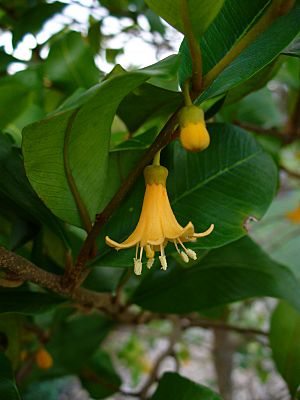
<point>27,271</point>
<point>219,325</point>
<point>293,174</point>
<point>169,351</point>
<point>194,47</point>
<point>293,125</point>
<point>284,137</point>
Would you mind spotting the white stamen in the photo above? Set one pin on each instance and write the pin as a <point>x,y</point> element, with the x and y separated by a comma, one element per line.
<point>191,254</point>
<point>150,262</point>
<point>137,266</point>
<point>136,250</point>
<point>178,251</point>
<point>184,257</point>
<point>163,261</point>
<point>141,253</point>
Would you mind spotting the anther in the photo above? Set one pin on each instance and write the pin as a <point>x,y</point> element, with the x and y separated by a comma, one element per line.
<point>163,261</point>
<point>191,254</point>
<point>184,257</point>
<point>137,266</point>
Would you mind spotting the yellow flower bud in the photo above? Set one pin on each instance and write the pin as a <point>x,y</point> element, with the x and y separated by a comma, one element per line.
<point>43,359</point>
<point>193,133</point>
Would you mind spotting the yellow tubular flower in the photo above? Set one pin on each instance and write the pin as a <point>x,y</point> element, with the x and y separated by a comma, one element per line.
<point>193,133</point>
<point>157,225</point>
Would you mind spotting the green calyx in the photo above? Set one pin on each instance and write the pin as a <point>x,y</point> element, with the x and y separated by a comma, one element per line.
<point>155,174</point>
<point>190,115</point>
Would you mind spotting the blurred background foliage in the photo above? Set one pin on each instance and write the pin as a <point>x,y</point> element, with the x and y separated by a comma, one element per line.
<point>53,55</point>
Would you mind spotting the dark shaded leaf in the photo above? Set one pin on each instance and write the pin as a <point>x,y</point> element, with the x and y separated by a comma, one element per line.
<point>8,388</point>
<point>285,343</point>
<point>28,303</point>
<point>234,272</point>
<point>176,387</point>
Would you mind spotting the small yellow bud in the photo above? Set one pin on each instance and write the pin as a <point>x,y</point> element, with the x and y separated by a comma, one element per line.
<point>43,359</point>
<point>193,133</point>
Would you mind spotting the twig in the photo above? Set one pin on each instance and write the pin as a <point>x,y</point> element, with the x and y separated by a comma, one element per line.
<point>209,324</point>
<point>153,376</point>
<point>293,174</point>
<point>27,271</point>
<point>194,47</point>
<point>285,138</point>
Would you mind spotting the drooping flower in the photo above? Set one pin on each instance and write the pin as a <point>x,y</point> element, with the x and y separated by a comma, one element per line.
<point>157,225</point>
<point>193,133</point>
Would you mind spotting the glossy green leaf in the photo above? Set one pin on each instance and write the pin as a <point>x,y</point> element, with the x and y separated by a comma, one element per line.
<point>99,377</point>
<point>70,63</point>
<point>231,273</point>
<point>8,388</point>
<point>234,19</point>
<point>201,12</point>
<point>226,184</point>
<point>87,121</point>
<point>258,55</point>
<point>28,303</point>
<point>285,344</point>
<point>176,387</point>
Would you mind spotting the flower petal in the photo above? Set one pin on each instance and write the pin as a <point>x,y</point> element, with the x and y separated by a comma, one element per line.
<point>205,233</point>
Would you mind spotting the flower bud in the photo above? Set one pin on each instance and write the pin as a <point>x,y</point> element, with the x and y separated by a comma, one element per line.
<point>193,133</point>
<point>43,359</point>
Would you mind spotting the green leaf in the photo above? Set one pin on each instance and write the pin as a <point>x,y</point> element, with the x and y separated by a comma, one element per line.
<point>17,196</point>
<point>70,63</point>
<point>146,102</point>
<point>14,98</point>
<point>226,184</point>
<point>201,12</point>
<point>8,388</point>
<point>28,303</point>
<point>176,387</point>
<point>85,332</point>
<point>99,377</point>
<point>283,248</point>
<point>234,19</point>
<point>258,55</point>
<point>33,19</point>
<point>11,327</point>
<point>231,273</point>
<point>88,127</point>
<point>293,49</point>
<point>285,344</point>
